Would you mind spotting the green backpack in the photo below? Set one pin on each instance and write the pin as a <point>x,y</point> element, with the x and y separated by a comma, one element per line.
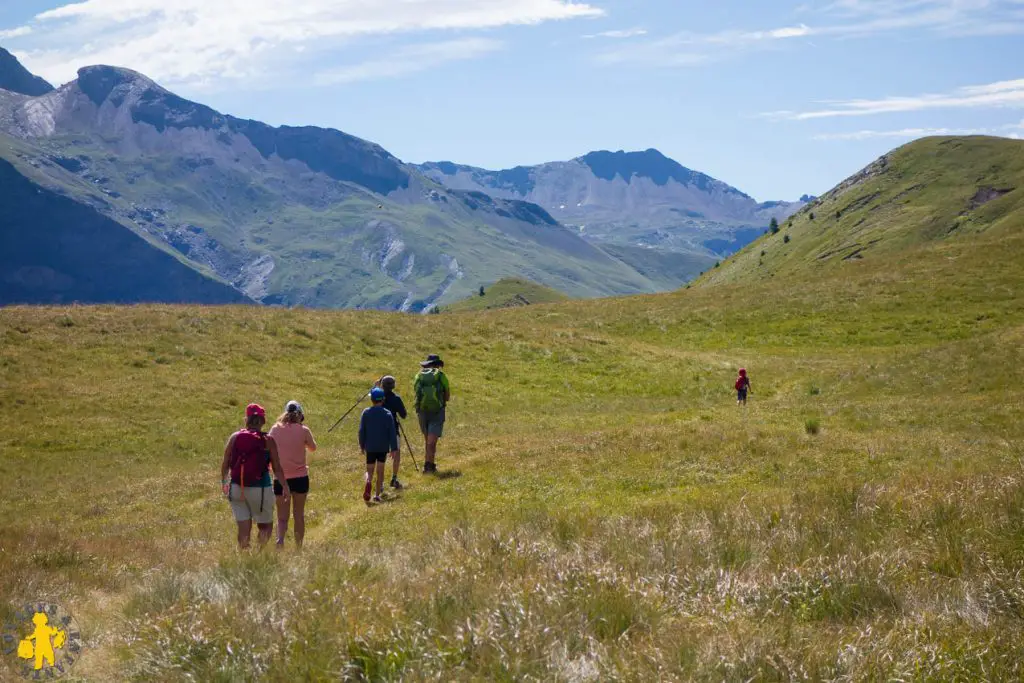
<point>429,391</point>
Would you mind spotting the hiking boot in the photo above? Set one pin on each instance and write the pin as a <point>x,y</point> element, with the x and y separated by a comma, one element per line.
<point>430,468</point>
<point>377,499</point>
<point>395,484</point>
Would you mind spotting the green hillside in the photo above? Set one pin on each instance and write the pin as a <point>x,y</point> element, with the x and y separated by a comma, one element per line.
<point>607,511</point>
<point>665,268</point>
<point>929,191</point>
<point>329,244</point>
<point>508,293</point>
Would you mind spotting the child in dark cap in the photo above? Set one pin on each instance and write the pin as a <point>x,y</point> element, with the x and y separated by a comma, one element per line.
<point>378,437</point>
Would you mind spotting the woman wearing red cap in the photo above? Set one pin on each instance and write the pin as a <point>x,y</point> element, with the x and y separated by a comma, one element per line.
<point>248,457</point>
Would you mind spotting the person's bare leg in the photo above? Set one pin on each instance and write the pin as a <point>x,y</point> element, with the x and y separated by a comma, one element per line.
<point>368,484</point>
<point>244,534</point>
<point>265,532</point>
<point>299,507</point>
<point>431,448</point>
<point>282,519</point>
<point>396,460</point>
<point>380,478</point>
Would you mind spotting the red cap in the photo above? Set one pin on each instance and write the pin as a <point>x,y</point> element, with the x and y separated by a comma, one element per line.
<point>255,409</point>
<point>742,371</point>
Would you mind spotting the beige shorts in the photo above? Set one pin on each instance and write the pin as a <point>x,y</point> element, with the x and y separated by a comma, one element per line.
<point>253,502</point>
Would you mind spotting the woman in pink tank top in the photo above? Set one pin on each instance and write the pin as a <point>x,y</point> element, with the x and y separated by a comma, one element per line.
<point>293,440</point>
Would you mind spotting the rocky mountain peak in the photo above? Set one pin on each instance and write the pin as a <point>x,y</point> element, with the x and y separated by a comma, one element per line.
<point>148,102</point>
<point>653,165</point>
<point>16,78</point>
<point>102,83</point>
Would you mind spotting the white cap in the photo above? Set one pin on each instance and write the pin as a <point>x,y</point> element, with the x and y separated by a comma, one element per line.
<point>294,407</point>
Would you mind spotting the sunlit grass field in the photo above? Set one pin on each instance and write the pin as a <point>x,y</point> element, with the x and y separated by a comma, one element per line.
<point>608,512</point>
<point>507,293</point>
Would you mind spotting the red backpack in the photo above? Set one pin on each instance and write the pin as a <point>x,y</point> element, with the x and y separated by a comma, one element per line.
<point>250,458</point>
<point>741,383</point>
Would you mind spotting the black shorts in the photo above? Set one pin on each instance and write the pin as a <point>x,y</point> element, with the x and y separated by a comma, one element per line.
<point>371,458</point>
<point>741,394</point>
<point>296,485</point>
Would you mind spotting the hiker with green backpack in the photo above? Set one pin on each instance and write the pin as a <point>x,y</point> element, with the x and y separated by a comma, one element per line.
<point>433,393</point>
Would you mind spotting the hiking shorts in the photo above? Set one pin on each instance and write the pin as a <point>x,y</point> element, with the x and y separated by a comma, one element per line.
<point>741,394</point>
<point>254,503</point>
<point>298,485</point>
<point>372,458</point>
<point>432,423</point>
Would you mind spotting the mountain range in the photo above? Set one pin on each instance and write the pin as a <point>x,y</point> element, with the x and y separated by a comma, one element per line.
<point>141,195</point>
<point>638,199</point>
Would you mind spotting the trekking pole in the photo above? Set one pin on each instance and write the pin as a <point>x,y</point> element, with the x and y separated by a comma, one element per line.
<point>401,428</point>
<point>361,399</point>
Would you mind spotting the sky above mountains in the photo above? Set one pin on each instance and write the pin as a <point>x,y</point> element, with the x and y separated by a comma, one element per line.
<point>776,98</point>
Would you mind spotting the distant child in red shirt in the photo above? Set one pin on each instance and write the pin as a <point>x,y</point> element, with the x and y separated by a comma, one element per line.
<point>742,388</point>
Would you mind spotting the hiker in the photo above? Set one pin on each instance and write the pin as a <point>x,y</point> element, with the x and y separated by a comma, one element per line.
<point>377,438</point>
<point>394,404</point>
<point>432,396</point>
<point>293,439</point>
<point>248,456</point>
<point>742,388</point>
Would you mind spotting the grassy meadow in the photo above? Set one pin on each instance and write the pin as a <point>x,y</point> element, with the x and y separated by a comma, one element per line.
<point>507,293</point>
<point>606,512</point>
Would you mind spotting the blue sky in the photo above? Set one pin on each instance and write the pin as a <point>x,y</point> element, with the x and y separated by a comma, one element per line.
<point>777,98</point>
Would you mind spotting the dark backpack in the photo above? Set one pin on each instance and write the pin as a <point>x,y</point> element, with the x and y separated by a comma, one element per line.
<point>250,458</point>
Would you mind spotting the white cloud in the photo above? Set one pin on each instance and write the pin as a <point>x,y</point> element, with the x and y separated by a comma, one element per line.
<point>1012,130</point>
<point>993,95</point>
<point>619,34</point>
<point>908,133</point>
<point>791,32</point>
<point>409,60</point>
<point>838,20</point>
<point>15,32</point>
<point>198,41</point>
